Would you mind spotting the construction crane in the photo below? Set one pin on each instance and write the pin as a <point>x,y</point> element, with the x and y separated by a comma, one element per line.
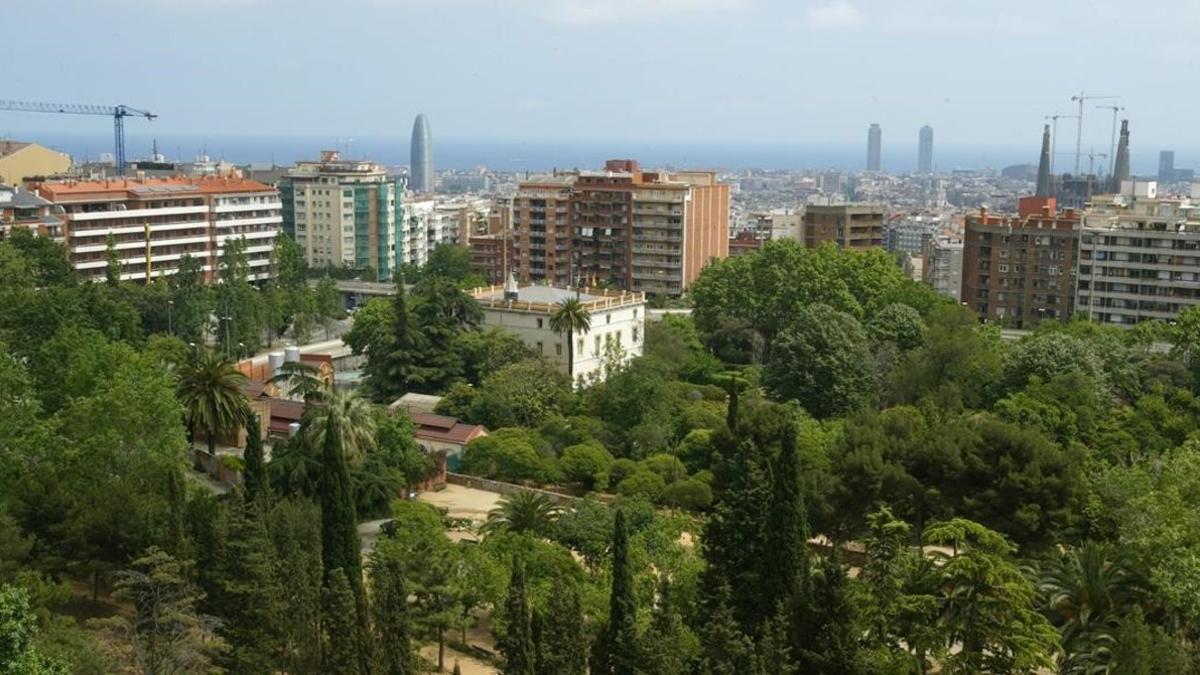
<point>1054,135</point>
<point>117,112</point>
<point>1079,129</point>
<point>1112,147</point>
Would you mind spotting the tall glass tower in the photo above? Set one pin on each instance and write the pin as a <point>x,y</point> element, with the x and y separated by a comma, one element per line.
<point>421,157</point>
<point>925,150</point>
<point>874,147</point>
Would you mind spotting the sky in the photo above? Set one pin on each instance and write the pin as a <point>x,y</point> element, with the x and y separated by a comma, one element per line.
<point>981,72</point>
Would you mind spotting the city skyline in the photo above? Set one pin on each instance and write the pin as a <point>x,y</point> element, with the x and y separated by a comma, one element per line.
<point>989,103</point>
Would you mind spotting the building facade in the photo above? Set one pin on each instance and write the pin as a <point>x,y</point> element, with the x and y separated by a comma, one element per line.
<point>943,266</point>
<point>1020,269</point>
<point>925,150</point>
<point>154,222</point>
<point>20,162</point>
<point>637,230</point>
<point>344,213</point>
<point>850,226</point>
<point>1139,257</point>
<point>615,337</point>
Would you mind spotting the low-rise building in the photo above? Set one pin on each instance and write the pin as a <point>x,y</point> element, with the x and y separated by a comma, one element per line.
<point>22,209</point>
<point>615,337</point>
<point>153,223</point>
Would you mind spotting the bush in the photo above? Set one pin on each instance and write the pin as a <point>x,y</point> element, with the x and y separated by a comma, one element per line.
<point>696,449</point>
<point>691,494</point>
<point>621,469</point>
<point>667,466</point>
<point>587,463</point>
<point>509,455</point>
<point>643,484</point>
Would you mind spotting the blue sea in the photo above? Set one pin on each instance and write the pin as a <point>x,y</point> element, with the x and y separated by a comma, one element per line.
<point>543,155</point>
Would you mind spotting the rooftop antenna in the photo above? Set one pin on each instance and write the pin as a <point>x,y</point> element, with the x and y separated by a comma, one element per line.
<point>1079,126</point>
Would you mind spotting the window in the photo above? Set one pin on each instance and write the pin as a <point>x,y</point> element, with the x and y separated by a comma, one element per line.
<point>541,348</point>
<point>635,332</point>
<point>608,318</point>
<point>558,349</point>
<point>539,323</point>
<point>597,345</point>
<point>580,347</point>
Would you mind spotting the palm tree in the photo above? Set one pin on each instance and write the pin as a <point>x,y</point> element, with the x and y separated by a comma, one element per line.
<point>1086,592</point>
<point>210,390</point>
<point>346,414</point>
<point>571,317</point>
<point>527,512</point>
<point>303,380</point>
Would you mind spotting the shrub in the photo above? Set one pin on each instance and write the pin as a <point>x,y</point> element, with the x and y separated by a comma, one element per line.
<point>691,494</point>
<point>643,484</point>
<point>587,463</point>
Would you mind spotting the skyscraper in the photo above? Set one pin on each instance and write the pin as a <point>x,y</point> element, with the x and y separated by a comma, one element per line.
<point>1121,164</point>
<point>1166,166</point>
<point>421,157</point>
<point>874,146</point>
<point>925,150</point>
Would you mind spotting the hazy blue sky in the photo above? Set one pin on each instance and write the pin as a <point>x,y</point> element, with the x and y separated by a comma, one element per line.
<point>812,71</point>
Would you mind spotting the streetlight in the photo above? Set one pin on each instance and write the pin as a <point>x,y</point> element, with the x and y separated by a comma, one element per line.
<point>227,319</point>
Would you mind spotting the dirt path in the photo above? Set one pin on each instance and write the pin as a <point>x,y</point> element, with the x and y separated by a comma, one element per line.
<point>462,502</point>
<point>468,664</point>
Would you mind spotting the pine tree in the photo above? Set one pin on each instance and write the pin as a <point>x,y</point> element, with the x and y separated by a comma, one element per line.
<point>564,643</point>
<point>725,648</point>
<point>622,615</point>
<point>773,653</point>
<point>734,537</point>
<point>254,479</point>
<point>517,645</point>
<point>785,559</point>
<point>389,605</point>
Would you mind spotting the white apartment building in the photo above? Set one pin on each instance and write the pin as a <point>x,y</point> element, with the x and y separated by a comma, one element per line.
<point>1139,256</point>
<point>429,223</point>
<point>155,222</point>
<point>616,334</point>
<point>942,266</point>
<point>344,213</point>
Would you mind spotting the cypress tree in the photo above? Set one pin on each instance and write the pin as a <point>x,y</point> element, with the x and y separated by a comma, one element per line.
<point>389,606</point>
<point>734,537</point>
<point>663,649</point>
<point>343,647</point>
<point>340,547</point>
<point>251,596</point>
<point>177,499</point>
<point>457,669</point>
<point>785,560</point>
<point>622,629</point>
<point>564,644</point>
<point>829,641</point>
<point>254,480</point>
<point>517,645</point>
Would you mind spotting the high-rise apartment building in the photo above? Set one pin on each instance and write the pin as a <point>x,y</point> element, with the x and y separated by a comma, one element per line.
<point>155,222</point>
<point>850,226</point>
<point>943,265</point>
<point>1020,269</point>
<point>421,157</point>
<point>874,147</point>
<point>1139,256</point>
<point>638,230</point>
<point>925,150</point>
<point>344,213</point>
